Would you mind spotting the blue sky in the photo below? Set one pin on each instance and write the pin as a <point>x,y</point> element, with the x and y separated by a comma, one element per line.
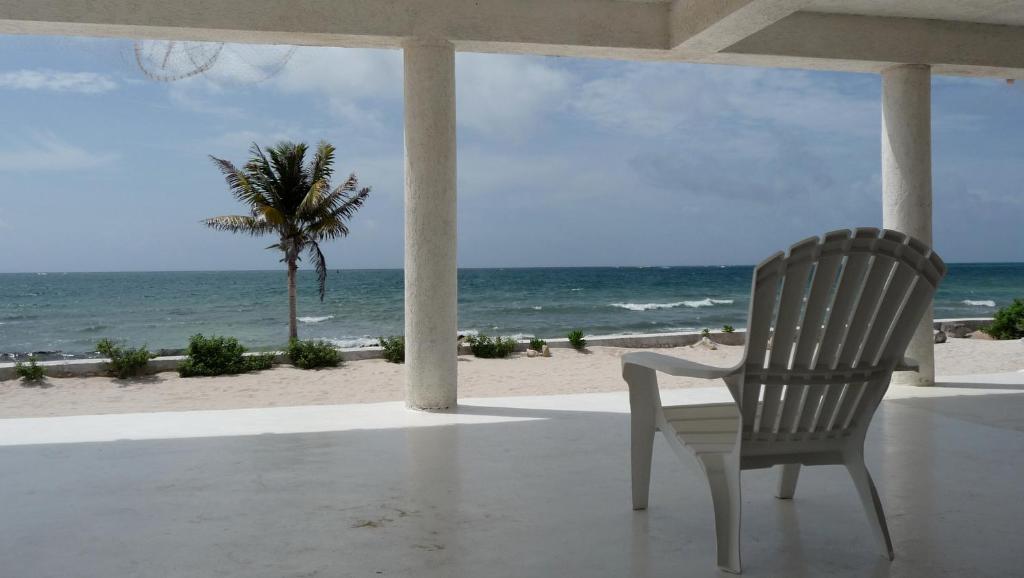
<point>561,161</point>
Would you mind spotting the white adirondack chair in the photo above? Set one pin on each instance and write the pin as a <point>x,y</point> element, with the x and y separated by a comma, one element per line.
<point>828,325</point>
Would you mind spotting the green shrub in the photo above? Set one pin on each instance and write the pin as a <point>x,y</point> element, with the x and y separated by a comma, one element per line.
<point>728,329</point>
<point>313,354</point>
<point>220,356</point>
<point>1008,322</point>
<point>394,348</point>
<point>125,362</point>
<point>705,332</point>
<point>484,346</point>
<point>576,339</point>
<point>537,344</point>
<point>31,373</point>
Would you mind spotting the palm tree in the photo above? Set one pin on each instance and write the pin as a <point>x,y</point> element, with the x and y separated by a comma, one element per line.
<point>293,200</point>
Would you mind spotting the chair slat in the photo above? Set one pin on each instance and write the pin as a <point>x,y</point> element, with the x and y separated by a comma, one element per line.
<point>865,310</point>
<point>794,287</point>
<point>850,284</point>
<point>770,409</point>
<point>904,327</point>
<point>847,409</point>
<point>812,402</point>
<point>896,295</point>
<point>791,406</point>
<point>823,421</point>
<point>751,401</point>
<point>822,289</point>
<point>762,306</point>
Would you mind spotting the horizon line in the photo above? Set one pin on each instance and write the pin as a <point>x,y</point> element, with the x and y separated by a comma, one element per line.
<point>488,268</point>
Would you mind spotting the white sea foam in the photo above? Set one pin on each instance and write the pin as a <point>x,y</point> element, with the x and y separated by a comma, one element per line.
<point>981,303</point>
<point>315,319</point>
<point>707,302</point>
<point>348,342</point>
<point>537,308</point>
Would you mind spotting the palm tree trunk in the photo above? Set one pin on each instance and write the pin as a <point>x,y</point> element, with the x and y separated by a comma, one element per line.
<point>293,327</point>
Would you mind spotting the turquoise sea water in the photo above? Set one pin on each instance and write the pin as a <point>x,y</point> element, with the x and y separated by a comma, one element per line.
<point>66,313</point>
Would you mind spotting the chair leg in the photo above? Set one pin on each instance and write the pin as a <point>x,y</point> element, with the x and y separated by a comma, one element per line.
<point>788,474</point>
<point>723,473</point>
<point>872,504</point>
<point>643,385</point>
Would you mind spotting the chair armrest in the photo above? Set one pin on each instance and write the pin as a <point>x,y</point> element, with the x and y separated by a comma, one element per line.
<point>676,366</point>
<point>908,364</point>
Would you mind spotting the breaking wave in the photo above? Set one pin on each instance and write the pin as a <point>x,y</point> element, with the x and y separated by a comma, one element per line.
<point>350,342</point>
<point>694,304</point>
<point>315,319</point>
<point>981,303</point>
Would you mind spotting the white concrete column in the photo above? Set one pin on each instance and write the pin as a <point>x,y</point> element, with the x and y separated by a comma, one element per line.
<point>907,182</point>
<point>431,279</point>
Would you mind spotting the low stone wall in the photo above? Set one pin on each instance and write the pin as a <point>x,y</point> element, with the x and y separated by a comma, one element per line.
<point>87,367</point>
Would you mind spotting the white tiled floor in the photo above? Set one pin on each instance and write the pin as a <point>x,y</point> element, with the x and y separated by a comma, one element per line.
<point>504,487</point>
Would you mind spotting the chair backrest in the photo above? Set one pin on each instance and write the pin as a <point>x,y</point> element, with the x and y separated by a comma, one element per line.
<point>828,324</point>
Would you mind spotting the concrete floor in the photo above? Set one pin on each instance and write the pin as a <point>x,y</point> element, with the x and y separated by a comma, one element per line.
<point>517,487</point>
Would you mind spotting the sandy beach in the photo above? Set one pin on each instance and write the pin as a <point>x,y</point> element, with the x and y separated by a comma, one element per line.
<point>374,380</point>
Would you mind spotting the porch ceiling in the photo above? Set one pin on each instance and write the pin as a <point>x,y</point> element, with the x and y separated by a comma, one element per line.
<point>961,37</point>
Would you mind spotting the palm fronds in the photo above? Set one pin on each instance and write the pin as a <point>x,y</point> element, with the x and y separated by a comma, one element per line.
<point>291,198</point>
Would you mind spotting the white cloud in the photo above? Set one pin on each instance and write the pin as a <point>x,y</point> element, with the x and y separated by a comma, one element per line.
<point>58,81</point>
<point>657,99</point>
<point>497,94</point>
<point>503,95</point>
<point>48,152</point>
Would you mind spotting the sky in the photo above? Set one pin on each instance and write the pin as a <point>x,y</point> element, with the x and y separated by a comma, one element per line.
<point>562,162</point>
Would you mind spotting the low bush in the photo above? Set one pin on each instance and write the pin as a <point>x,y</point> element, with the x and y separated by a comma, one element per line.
<point>576,339</point>
<point>215,355</point>
<point>31,372</point>
<point>125,362</point>
<point>537,344</point>
<point>1008,322</point>
<point>394,348</point>
<point>705,332</point>
<point>486,347</point>
<point>313,354</point>
<point>728,329</point>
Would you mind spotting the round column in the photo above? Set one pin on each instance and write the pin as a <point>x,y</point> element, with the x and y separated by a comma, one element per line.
<point>431,276</point>
<point>907,183</point>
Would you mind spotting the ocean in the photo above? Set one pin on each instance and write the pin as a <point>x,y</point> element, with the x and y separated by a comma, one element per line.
<point>64,314</point>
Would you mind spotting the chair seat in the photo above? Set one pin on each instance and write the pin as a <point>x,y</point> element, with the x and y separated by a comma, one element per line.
<point>706,428</point>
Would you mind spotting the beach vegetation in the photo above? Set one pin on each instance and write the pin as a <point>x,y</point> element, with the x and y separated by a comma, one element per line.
<point>125,362</point>
<point>290,198</point>
<point>705,332</point>
<point>487,347</point>
<point>576,339</point>
<point>30,372</point>
<point>1008,322</point>
<point>394,348</point>
<point>728,329</point>
<point>207,356</point>
<point>313,354</point>
<point>537,344</point>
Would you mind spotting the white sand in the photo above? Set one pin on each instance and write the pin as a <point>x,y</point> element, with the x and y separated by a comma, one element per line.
<point>375,380</point>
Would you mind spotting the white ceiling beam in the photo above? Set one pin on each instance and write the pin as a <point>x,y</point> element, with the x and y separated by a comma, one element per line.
<point>708,26</point>
<point>591,24</point>
<point>948,46</point>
